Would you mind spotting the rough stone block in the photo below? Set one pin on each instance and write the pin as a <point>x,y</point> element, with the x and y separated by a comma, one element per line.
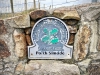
<point>94,36</point>
<point>94,69</point>
<point>1,66</point>
<point>2,28</point>
<point>20,67</point>
<point>83,65</point>
<point>81,43</point>
<point>4,52</point>
<point>20,41</point>
<point>93,14</point>
<point>37,14</point>
<point>65,13</point>
<point>50,67</point>
<point>22,21</point>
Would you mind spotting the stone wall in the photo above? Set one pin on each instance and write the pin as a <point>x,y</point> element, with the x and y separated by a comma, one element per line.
<point>83,22</point>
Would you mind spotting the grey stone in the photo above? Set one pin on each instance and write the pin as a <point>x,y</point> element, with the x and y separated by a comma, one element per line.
<point>9,67</point>
<point>1,66</point>
<point>94,68</point>
<point>6,60</point>
<point>97,57</point>
<point>84,65</point>
<point>1,63</point>
<point>51,67</point>
<point>93,14</point>
<point>0,60</point>
<point>98,20</point>
<point>22,21</point>
<point>92,55</point>
<point>1,73</point>
<point>7,73</point>
<point>94,36</point>
<point>9,70</point>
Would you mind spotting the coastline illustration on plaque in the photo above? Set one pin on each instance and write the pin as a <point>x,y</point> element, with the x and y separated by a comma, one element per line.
<point>50,36</point>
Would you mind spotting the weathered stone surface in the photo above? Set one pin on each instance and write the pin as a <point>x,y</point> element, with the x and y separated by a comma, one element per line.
<point>94,36</point>
<point>97,56</point>
<point>6,60</point>
<point>22,21</point>
<point>1,63</point>
<point>37,14</point>
<point>85,8</point>
<point>20,67</point>
<point>28,40</point>
<point>4,52</point>
<point>72,29</point>
<point>71,39</point>
<point>84,65</point>
<point>7,73</point>
<point>98,44</point>
<point>90,11</point>
<point>98,20</point>
<point>31,66</point>
<point>50,67</point>
<point>94,69</point>
<point>20,41</point>
<point>81,43</point>
<point>28,31</point>
<point>1,67</point>
<point>9,67</point>
<point>92,55</point>
<point>2,28</point>
<point>92,14</point>
<point>65,13</point>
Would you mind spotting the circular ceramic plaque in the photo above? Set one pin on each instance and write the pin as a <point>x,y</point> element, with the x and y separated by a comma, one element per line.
<point>49,36</point>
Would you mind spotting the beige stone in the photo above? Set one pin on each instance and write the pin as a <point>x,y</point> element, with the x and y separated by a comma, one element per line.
<point>21,21</point>
<point>31,66</point>
<point>50,67</point>
<point>20,43</point>
<point>28,40</point>
<point>82,43</point>
<point>20,67</point>
<point>66,13</point>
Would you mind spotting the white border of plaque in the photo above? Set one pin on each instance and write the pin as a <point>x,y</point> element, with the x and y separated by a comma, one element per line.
<point>50,36</point>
